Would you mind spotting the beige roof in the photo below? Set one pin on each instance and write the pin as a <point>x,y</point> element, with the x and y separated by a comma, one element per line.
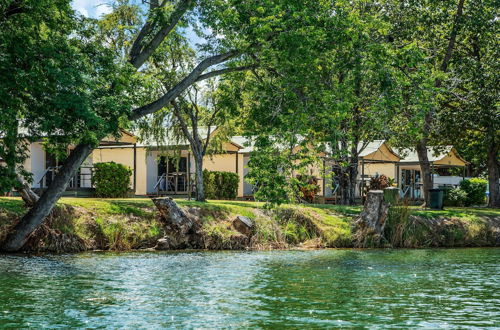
<point>182,141</point>
<point>171,141</point>
<point>446,155</point>
<point>244,142</point>
<point>379,151</point>
<point>376,150</point>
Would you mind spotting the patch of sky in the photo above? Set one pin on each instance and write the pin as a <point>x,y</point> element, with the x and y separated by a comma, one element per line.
<point>97,8</point>
<point>91,8</point>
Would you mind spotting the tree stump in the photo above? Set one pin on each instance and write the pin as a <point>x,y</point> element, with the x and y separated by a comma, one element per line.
<point>181,230</point>
<point>371,222</point>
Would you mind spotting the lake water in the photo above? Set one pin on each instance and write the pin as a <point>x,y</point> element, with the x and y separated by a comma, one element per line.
<point>300,289</point>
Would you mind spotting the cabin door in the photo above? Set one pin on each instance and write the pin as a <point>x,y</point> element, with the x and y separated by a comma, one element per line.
<point>411,183</point>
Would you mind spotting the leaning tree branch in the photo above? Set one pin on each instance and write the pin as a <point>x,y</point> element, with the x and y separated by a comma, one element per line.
<point>214,73</point>
<point>184,126</point>
<point>135,51</point>
<point>453,36</point>
<point>140,55</point>
<point>14,8</point>
<point>136,48</point>
<point>190,79</point>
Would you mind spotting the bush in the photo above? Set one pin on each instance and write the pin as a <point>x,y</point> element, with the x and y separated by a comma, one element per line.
<point>454,197</point>
<point>220,185</point>
<point>475,189</point>
<point>111,180</point>
<point>379,183</point>
<point>308,187</point>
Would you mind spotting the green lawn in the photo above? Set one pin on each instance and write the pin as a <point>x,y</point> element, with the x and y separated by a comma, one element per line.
<point>144,207</point>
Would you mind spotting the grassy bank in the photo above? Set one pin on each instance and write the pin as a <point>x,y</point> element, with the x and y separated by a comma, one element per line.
<point>123,224</point>
<point>414,227</point>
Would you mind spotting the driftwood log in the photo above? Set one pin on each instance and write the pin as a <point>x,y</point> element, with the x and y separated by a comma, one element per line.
<point>371,222</point>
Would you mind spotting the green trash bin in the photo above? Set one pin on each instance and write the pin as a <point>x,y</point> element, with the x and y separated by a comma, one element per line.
<point>391,195</point>
<point>436,199</point>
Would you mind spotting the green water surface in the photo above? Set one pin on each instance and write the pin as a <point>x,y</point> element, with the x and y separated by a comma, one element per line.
<point>457,288</point>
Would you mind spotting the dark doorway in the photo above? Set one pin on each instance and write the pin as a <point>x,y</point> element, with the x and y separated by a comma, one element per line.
<point>172,173</point>
<point>411,183</point>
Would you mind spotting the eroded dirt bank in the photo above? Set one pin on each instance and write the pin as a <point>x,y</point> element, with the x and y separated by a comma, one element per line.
<point>88,224</point>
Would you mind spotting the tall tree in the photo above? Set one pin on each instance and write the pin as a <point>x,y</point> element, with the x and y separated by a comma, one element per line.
<point>55,84</point>
<point>198,117</point>
<point>470,114</point>
<point>357,77</point>
<point>426,33</point>
<point>327,91</point>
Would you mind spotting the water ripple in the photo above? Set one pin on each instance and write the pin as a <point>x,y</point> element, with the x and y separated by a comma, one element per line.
<point>457,288</point>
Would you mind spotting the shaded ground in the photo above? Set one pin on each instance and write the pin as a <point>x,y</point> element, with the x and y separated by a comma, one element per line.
<point>123,224</point>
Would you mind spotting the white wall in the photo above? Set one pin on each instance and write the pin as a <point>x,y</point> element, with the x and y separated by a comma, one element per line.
<point>247,187</point>
<point>446,180</point>
<point>37,158</point>
<point>151,170</point>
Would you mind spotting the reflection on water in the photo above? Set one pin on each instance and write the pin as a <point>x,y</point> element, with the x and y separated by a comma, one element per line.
<point>328,288</point>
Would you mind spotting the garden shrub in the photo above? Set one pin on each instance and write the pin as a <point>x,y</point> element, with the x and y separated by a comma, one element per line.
<point>8,179</point>
<point>475,189</point>
<point>308,187</point>
<point>111,180</point>
<point>454,197</point>
<point>220,185</point>
<point>380,182</point>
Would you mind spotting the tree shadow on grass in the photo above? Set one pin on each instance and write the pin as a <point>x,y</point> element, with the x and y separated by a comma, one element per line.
<point>137,208</point>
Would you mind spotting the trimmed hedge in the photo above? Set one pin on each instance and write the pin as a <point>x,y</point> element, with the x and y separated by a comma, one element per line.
<point>475,189</point>
<point>111,180</point>
<point>220,185</point>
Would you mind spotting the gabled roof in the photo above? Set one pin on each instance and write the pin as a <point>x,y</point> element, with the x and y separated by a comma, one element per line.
<point>124,139</point>
<point>182,142</point>
<point>375,151</point>
<point>378,150</point>
<point>244,142</point>
<point>446,155</point>
<point>171,141</point>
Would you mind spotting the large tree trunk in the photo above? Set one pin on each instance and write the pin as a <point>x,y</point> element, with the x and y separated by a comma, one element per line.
<point>200,189</point>
<point>35,217</point>
<point>347,184</point>
<point>422,144</point>
<point>494,175</point>
<point>425,168</point>
<point>343,178</point>
<point>353,175</point>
